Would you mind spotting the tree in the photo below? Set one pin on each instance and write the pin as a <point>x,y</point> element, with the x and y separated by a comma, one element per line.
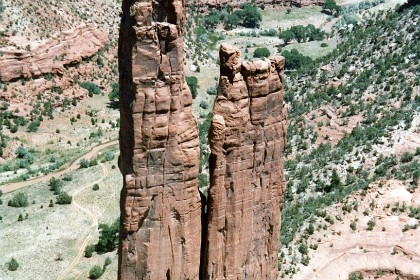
<point>261,52</point>
<point>296,60</point>
<point>335,180</point>
<point>287,36</point>
<point>251,16</point>
<point>330,5</point>
<point>64,198</point>
<point>192,83</point>
<point>19,200</point>
<point>232,20</point>
<point>96,272</point>
<point>114,95</point>
<point>108,237</point>
<point>212,19</point>
<point>12,265</point>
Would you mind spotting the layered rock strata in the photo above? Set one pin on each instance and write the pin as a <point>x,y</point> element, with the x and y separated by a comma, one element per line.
<point>66,48</point>
<point>160,203</point>
<point>247,140</point>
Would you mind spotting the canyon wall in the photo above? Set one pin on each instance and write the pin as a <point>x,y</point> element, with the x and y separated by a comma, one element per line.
<point>65,48</point>
<point>247,140</point>
<point>160,235</point>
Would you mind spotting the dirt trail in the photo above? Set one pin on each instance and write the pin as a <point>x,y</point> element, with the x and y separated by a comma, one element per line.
<point>73,166</point>
<point>94,225</point>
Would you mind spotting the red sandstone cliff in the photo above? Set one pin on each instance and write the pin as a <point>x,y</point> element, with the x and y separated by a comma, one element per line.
<point>65,48</point>
<point>160,202</point>
<point>247,140</point>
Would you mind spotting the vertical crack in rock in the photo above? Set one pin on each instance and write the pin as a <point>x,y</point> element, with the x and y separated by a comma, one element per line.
<point>247,140</point>
<point>160,234</point>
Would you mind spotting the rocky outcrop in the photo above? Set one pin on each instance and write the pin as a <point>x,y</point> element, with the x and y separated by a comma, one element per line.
<point>66,48</point>
<point>247,140</point>
<point>160,234</point>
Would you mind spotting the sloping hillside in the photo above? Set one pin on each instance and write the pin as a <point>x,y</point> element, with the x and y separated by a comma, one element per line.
<point>353,122</point>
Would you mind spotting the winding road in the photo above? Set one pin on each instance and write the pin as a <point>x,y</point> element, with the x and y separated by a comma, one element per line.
<point>94,225</point>
<point>73,166</point>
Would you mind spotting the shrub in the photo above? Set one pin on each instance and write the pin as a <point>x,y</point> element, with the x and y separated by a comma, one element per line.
<point>96,272</point>
<point>55,185</point>
<point>192,83</point>
<point>12,265</point>
<point>107,262</point>
<point>67,177</point>
<point>64,198</point>
<point>84,163</point>
<point>19,200</point>
<point>353,225</point>
<point>21,152</point>
<point>204,104</point>
<point>261,52</point>
<point>95,187</point>
<point>370,224</point>
<point>89,251</point>
<point>324,45</point>
<point>109,156</point>
<point>33,126</point>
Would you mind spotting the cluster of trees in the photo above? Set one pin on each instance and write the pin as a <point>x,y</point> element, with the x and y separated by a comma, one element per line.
<point>91,88</point>
<point>296,60</point>
<point>247,16</point>
<point>302,33</point>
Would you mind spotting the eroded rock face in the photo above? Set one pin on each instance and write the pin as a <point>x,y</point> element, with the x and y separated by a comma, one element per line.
<point>160,202</point>
<point>68,47</point>
<point>247,140</point>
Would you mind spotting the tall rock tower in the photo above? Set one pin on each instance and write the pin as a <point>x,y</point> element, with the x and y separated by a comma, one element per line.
<point>160,234</point>
<point>247,140</point>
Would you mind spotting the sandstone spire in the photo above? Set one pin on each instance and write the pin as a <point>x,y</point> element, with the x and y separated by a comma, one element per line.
<point>160,232</point>
<point>247,140</point>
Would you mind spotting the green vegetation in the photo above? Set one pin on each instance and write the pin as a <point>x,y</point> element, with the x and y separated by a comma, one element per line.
<point>55,185</point>
<point>114,95</point>
<point>261,52</point>
<point>64,198</point>
<point>12,265</point>
<point>89,251</point>
<point>108,237</point>
<point>91,88</point>
<point>19,200</point>
<point>192,83</point>
<point>96,272</point>
<point>296,60</point>
<point>247,16</point>
<point>302,33</point>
